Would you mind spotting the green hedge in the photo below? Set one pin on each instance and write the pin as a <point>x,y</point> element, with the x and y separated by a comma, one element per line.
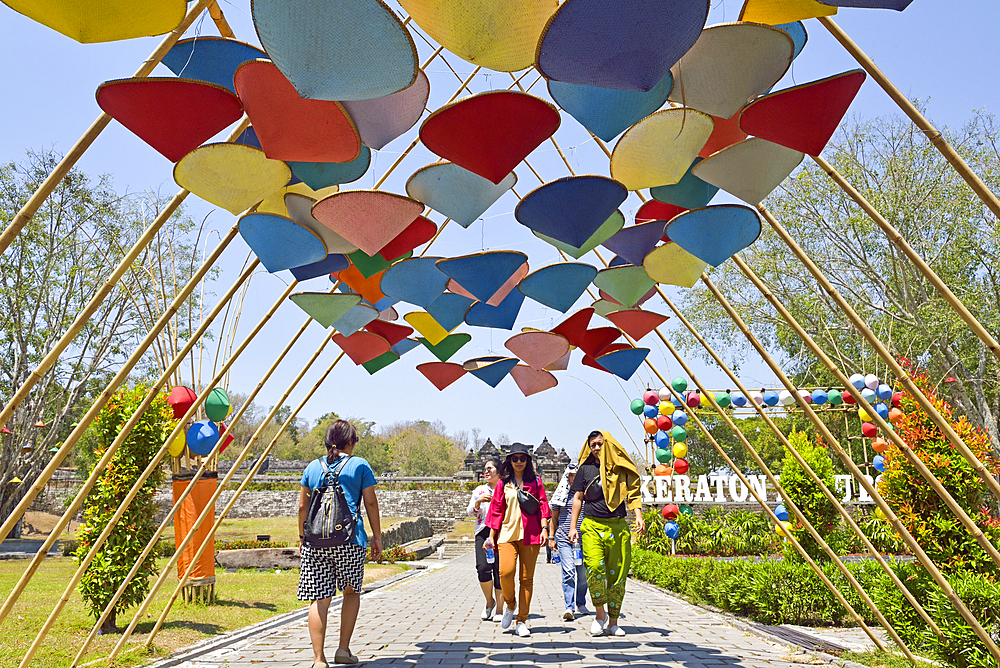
<point>782,592</point>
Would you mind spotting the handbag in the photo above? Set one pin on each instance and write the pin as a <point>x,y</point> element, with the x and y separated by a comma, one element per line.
<point>330,521</point>
<point>530,505</point>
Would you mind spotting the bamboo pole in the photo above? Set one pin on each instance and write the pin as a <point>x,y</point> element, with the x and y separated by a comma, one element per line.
<point>137,487</point>
<point>80,147</point>
<point>98,298</point>
<point>897,238</point>
<point>935,137</point>
<point>830,496</point>
<point>239,460</point>
<point>900,528</point>
<point>220,20</point>
<point>113,448</point>
<point>911,387</point>
<point>39,484</point>
<point>167,569</point>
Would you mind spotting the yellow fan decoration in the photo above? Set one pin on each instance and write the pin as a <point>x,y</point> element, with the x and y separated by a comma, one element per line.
<point>660,148</point>
<point>90,21</point>
<point>427,326</point>
<point>673,265</point>
<point>777,12</point>
<point>275,202</point>
<point>500,36</point>
<point>233,176</point>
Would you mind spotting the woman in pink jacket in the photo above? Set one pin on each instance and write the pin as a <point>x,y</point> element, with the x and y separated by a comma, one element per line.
<point>518,521</point>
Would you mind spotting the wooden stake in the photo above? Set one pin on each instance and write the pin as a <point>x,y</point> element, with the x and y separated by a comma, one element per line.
<point>900,528</point>
<point>59,173</point>
<point>950,154</point>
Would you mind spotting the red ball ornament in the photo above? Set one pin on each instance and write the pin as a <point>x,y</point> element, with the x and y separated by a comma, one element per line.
<point>670,511</point>
<point>868,429</point>
<point>896,398</point>
<point>181,399</point>
<point>651,398</point>
<point>849,398</point>
<point>664,423</point>
<point>227,438</point>
<point>694,399</point>
<point>681,466</point>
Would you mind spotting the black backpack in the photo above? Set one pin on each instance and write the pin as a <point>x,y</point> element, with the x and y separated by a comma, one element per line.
<point>330,521</point>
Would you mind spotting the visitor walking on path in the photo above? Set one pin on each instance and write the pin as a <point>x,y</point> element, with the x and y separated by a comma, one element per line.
<point>518,520</point>
<point>326,570</point>
<point>608,480</point>
<point>574,576</point>
<point>488,570</point>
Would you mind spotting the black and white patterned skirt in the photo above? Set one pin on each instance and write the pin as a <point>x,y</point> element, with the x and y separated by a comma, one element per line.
<point>327,570</point>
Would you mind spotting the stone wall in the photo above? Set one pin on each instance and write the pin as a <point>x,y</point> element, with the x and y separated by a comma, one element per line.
<point>404,532</point>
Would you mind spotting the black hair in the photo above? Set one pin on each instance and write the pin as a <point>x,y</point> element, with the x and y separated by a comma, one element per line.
<point>494,461</point>
<point>507,470</point>
<point>339,435</point>
<point>593,435</point>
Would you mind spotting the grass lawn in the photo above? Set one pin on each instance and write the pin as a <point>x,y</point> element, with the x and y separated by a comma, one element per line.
<point>283,529</point>
<point>243,598</point>
<point>463,529</point>
<point>878,659</point>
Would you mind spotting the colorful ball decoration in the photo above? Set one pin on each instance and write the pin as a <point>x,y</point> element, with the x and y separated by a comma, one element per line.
<point>677,401</point>
<point>637,406</point>
<point>868,395</point>
<point>849,399</point>
<point>880,445</point>
<point>662,470</point>
<point>868,429</point>
<point>704,401</point>
<point>177,445</point>
<point>679,418</point>
<point>739,400</point>
<point>819,397</point>
<point>227,438</point>
<point>806,396</point>
<point>662,440</point>
<point>871,381</point>
<point>678,433</point>
<point>864,415</point>
<point>835,397</point>
<point>663,422</point>
<point>181,399</point>
<point>681,466</point>
<point>680,450</point>
<point>757,398</point>
<point>879,463</point>
<point>880,515</point>
<point>679,384</point>
<point>781,512</point>
<point>785,398</point>
<point>202,437</point>
<point>895,415</point>
<point>672,530</point>
<point>723,399</point>
<point>651,398</point>
<point>884,392</point>
<point>686,510</point>
<point>693,399</point>
<point>666,408</point>
<point>897,397</point>
<point>857,380</point>
<point>650,411</point>
<point>650,426</point>
<point>771,398</point>
<point>664,394</point>
<point>217,405</point>
<point>662,455</point>
<point>783,529</point>
<point>670,511</point>
<point>882,410</point>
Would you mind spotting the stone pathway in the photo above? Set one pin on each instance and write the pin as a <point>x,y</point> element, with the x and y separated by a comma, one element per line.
<point>432,618</point>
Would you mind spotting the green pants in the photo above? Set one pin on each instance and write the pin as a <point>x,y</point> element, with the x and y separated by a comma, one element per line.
<point>607,554</point>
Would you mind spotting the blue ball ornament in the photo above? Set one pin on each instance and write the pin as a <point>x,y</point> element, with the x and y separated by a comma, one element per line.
<point>771,398</point>
<point>879,463</point>
<point>679,418</point>
<point>662,440</point>
<point>672,530</point>
<point>868,394</point>
<point>676,402</point>
<point>884,392</point>
<point>857,380</point>
<point>781,512</point>
<point>882,410</point>
<point>820,397</point>
<point>739,400</point>
<point>650,411</point>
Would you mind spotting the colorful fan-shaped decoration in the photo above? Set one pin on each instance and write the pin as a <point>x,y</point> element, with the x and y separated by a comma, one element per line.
<point>538,349</point>
<point>658,150</point>
<point>501,316</point>
<point>775,12</point>
<point>634,243</point>
<point>233,176</point>
<point>447,347</point>
<point>92,21</point>
<point>280,243</point>
<point>574,328</point>
<point>672,265</point>
<point>441,374</point>
<point>605,231</point>
<point>626,284</point>
<point>211,59</point>
<point>382,119</point>
<point>715,233</point>
<point>607,112</point>
<point>299,209</point>
<point>369,219</point>
<point>571,209</point>
<point>491,369</point>
<point>532,381</point>
<point>483,274</point>
<point>362,346</point>
<point>456,192</point>
<point>416,281</point>
<point>558,286</point>
<point>689,193</point>
<point>323,307</point>
<point>635,322</point>
<point>750,169</point>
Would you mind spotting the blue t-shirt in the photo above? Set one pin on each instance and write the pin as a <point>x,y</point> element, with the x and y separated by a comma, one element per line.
<point>355,477</point>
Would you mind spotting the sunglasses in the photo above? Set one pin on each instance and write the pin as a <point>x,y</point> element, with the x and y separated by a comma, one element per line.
<point>517,459</point>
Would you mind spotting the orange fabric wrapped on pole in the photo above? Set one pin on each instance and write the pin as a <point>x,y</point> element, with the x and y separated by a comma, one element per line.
<point>184,520</point>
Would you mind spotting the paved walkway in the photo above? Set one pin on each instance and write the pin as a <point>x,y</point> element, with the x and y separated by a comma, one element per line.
<point>433,619</point>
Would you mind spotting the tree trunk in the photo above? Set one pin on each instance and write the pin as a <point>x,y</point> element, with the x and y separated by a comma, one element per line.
<point>109,625</point>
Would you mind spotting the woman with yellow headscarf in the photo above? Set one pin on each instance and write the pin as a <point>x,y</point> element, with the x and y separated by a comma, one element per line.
<point>608,480</point>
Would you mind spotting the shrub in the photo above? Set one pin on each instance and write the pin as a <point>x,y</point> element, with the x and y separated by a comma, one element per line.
<point>924,514</point>
<point>808,496</point>
<point>392,555</point>
<point>715,532</point>
<point>248,544</point>
<point>120,551</point>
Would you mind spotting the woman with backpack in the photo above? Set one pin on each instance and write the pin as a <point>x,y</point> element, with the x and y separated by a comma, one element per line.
<point>334,546</point>
<point>518,521</point>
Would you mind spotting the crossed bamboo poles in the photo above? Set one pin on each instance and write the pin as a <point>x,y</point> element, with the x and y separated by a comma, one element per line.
<point>936,139</point>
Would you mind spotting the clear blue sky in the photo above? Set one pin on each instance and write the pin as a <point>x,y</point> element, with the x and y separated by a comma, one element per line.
<point>944,52</point>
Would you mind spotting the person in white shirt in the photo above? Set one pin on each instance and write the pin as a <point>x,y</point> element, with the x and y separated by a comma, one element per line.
<point>489,573</point>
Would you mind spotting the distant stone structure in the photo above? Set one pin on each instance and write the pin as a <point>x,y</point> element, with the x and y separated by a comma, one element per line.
<point>548,462</point>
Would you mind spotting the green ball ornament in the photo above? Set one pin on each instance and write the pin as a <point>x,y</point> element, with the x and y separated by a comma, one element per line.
<point>679,384</point>
<point>723,399</point>
<point>678,433</point>
<point>686,510</point>
<point>637,406</point>
<point>663,456</point>
<point>835,397</point>
<point>217,405</point>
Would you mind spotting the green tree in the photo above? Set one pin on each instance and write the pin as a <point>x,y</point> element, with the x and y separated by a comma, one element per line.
<point>133,531</point>
<point>48,275</point>
<point>894,166</point>
<point>807,495</point>
<point>423,449</point>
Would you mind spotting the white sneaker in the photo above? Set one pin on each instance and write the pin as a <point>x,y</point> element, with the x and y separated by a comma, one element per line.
<point>523,630</point>
<point>597,628</point>
<point>487,613</point>
<point>582,610</point>
<point>568,615</point>
<point>617,631</point>
<point>508,617</point>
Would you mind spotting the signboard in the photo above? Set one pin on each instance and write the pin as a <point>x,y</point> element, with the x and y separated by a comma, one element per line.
<point>725,489</point>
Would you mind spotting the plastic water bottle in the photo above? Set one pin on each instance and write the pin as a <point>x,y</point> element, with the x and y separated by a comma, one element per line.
<point>577,554</point>
<point>490,555</point>
<point>555,558</point>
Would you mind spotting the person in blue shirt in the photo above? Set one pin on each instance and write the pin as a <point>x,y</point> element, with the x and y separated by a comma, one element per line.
<point>326,570</point>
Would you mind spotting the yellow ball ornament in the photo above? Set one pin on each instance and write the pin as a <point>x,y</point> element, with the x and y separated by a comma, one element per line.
<point>863,414</point>
<point>666,408</point>
<point>680,450</point>
<point>178,444</point>
<point>706,402</point>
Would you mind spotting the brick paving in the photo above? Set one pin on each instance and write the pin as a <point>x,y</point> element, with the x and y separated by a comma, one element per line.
<point>433,619</point>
